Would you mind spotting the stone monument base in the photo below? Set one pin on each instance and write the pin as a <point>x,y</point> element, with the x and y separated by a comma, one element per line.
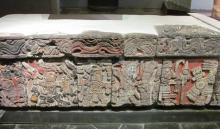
<point>175,65</point>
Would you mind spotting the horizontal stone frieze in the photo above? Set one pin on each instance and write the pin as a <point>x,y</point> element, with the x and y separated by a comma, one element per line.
<point>173,41</point>
<point>102,83</point>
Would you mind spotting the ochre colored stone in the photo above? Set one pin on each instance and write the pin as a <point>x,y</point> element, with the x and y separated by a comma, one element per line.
<point>34,99</point>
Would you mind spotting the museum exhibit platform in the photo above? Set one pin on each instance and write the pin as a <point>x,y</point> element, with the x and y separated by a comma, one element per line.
<point>121,66</point>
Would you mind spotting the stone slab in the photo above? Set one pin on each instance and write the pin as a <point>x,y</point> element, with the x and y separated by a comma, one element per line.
<point>111,117</point>
<point>38,83</point>
<point>199,126</point>
<point>94,81</point>
<point>187,82</point>
<point>136,82</point>
<point>210,125</point>
<point>162,126</point>
<point>216,89</point>
<point>34,24</point>
<point>140,45</point>
<point>187,41</point>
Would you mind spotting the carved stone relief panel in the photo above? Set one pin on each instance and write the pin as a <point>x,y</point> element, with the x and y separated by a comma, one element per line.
<point>189,31</point>
<point>94,83</point>
<point>181,46</point>
<point>135,83</point>
<point>140,47</point>
<point>51,84</point>
<point>21,48</point>
<point>175,40</point>
<point>216,92</point>
<point>13,92</point>
<point>187,82</point>
<point>41,48</point>
<point>91,47</point>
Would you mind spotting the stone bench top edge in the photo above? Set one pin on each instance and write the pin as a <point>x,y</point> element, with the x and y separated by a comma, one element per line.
<point>171,31</point>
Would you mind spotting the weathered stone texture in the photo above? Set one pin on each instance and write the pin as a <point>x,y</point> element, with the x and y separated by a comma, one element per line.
<point>92,44</point>
<point>23,48</point>
<point>216,92</point>
<point>12,90</point>
<point>186,31</point>
<point>180,46</point>
<point>94,83</point>
<point>51,84</point>
<point>140,46</point>
<point>38,83</point>
<point>99,69</point>
<point>135,83</point>
<point>187,41</point>
<point>187,82</point>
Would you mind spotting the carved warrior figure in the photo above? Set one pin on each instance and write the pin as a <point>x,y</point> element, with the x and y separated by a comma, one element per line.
<point>94,84</point>
<point>51,84</point>
<point>187,82</point>
<point>38,83</point>
<point>12,89</point>
<point>28,47</point>
<point>135,83</point>
<point>216,92</point>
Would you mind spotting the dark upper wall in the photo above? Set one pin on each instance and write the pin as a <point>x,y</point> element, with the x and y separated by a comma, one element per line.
<point>122,3</point>
<point>24,6</point>
<point>74,3</point>
<point>44,6</point>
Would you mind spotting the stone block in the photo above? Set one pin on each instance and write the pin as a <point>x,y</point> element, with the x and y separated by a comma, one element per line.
<point>94,83</point>
<point>26,47</point>
<point>138,45</point>
<point>216,93</point>
<point>187,41</point>
<point>51,84</point>
<point>92,44</point>
<point>162,126</point>
<point>189,31</point>
<point>38,83</point>
<point>187,81</point>
<point>199,126</point>
<point>135,82</point>
<point>12,85</point>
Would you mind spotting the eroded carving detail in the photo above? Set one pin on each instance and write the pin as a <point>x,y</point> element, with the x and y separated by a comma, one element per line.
<point>216,92</point>
<point>135,83</point>
<point>180,46</point>
<point>40,47</point>
<point>12,86</point>
<point>140,47</point>
<point>83,47</point>
<point>16,48</point>
<point>11,47</point>
<point>187,41</point>
<point>51,84</point>
<point>193,31</point>
<point>94,84</point>
<point>187,82</point>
